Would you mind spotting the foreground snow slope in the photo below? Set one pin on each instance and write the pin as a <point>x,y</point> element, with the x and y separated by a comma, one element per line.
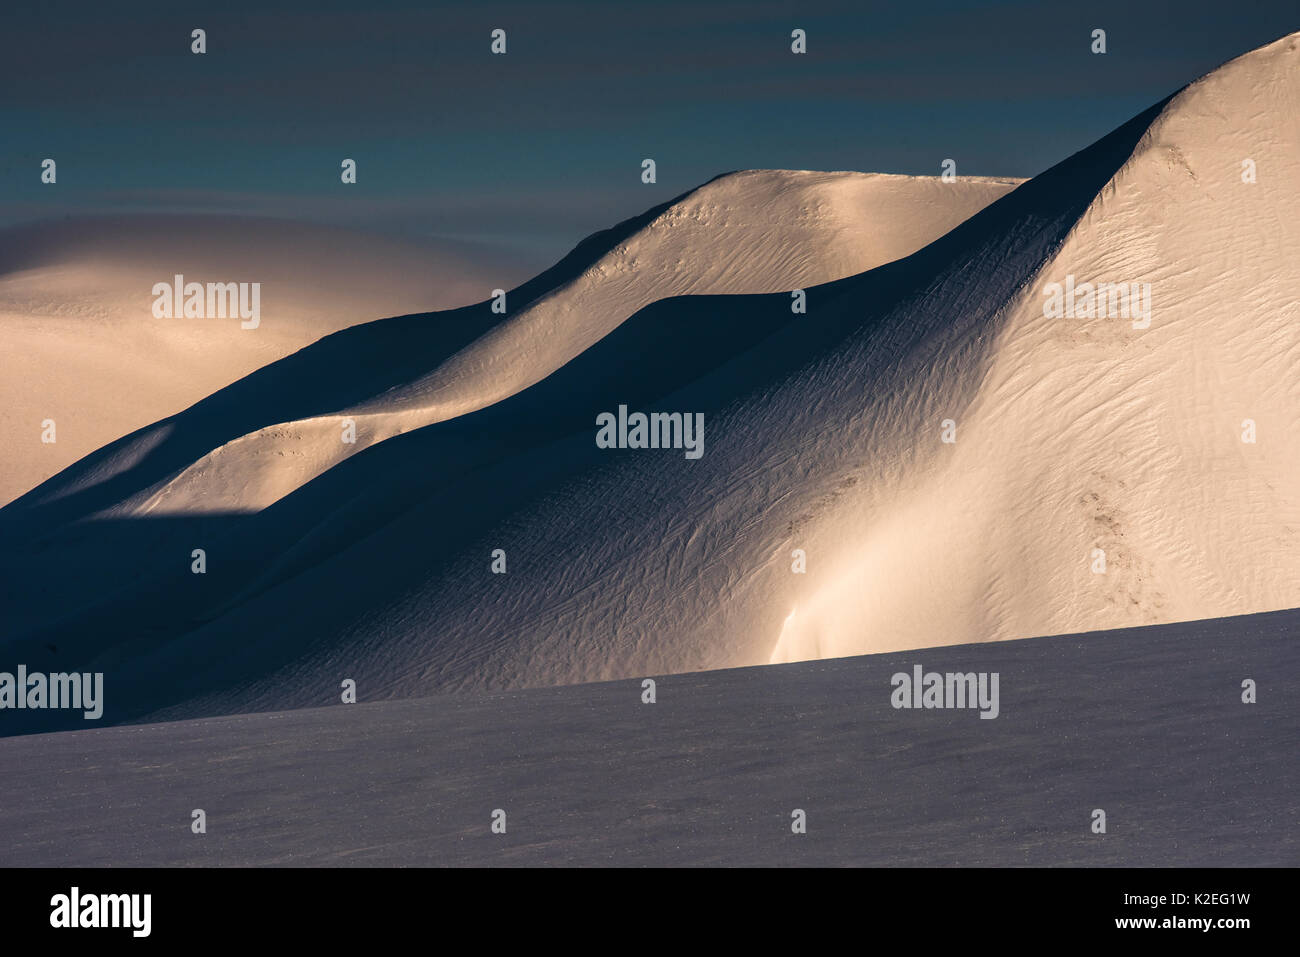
<point>1146,724</point>
<point>84,348</point>
<point>1074,437</point>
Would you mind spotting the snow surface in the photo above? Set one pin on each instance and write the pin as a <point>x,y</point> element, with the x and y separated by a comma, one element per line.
<point>1146,725</point>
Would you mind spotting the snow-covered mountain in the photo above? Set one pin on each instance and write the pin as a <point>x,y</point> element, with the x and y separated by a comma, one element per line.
<point>1099,472</point>
<point>752,232</point>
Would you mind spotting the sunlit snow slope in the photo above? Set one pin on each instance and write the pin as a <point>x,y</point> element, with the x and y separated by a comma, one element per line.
<point>1095,433</point>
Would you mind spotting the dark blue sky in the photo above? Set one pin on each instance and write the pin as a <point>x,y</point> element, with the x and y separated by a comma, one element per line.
<point>541,146</point>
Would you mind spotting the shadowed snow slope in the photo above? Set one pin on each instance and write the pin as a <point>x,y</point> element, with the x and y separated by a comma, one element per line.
<point>1078,440</point>
<point>84,348</point>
